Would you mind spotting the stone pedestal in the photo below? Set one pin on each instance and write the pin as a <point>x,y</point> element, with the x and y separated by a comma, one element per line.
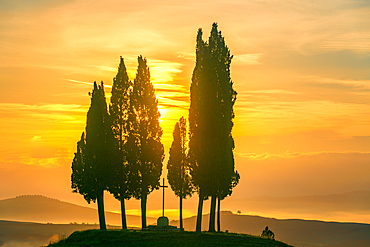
<point>163,224</point>
<point>162,221</point>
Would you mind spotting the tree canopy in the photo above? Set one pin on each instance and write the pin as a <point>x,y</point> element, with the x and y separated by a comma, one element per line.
<point>119,112</point>
<point>211,114</point>
<point>178,166</point>
<point>145,152</point>
<point>91,167</point>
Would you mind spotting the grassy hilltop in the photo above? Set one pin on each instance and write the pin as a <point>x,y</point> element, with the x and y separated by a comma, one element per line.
<point>160,239</point>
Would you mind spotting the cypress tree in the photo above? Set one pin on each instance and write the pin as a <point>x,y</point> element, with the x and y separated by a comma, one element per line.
<point>211,111</point>
<point>226,97</point>
<point>119,112</point>
<point>145,152</point>
<point>178,169</point>
<point>91,167</point>
<point>195,128</point>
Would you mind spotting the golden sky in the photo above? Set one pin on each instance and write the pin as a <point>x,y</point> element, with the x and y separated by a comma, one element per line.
<point>301,70</point>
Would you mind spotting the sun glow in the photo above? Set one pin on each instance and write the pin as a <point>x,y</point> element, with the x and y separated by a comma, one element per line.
<point>172,214</point>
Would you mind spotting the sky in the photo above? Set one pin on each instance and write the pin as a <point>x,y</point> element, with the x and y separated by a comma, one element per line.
<point>301,70</point>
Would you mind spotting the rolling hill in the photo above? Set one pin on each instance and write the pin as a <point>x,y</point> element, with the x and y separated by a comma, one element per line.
<point>308,233</point>
<point>41,209</point>
<point>27,234</point>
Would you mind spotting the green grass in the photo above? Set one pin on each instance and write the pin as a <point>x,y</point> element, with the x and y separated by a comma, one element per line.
<point>99,238</point>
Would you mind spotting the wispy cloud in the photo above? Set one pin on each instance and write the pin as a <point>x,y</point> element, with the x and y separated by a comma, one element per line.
<point>35,138</point>
<point>341,84</point>
<point>270,91</point>
<point>289,155</point>
<point>247,59</point>
<point>8,107</point>
<point>87,83</point>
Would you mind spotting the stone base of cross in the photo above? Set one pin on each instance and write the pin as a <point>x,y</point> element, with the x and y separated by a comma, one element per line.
<point>163,221</point>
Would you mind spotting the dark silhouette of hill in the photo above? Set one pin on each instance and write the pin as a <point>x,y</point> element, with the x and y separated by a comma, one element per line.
<point>29,234</point>
<point>308,233</point>
<point>163,238</point>
<point>35,208</point>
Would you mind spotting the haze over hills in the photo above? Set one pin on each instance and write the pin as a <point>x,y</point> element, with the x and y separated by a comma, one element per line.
<point>343,207</point>
<point>28,234</point>
<point>351,201</point>
<point>42,209</point>
<point>36,208</point>
<point>308,233</point>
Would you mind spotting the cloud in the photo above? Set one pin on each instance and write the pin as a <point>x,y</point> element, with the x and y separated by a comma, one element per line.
<point>35,138</point>
<point>9,107</point>
<point>162,71</point>
<point>341,84</point>
<point>269,91</point>
<point>87,83</point>
<point>48,160</point>
<point>289,155</point>
<point>248,59</point>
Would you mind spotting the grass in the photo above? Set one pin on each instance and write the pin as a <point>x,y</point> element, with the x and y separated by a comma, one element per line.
<point>99,238</point>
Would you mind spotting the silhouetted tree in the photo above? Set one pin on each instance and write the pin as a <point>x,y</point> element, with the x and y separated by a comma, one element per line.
<point>267,233</point>
<point>198,135</point>
<point>178,169</point>
<point>145,151</point>
<point>91,171</point>
<point>119,114</point>
<point>211,121</point>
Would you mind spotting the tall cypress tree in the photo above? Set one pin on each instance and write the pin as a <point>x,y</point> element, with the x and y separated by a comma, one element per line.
<point>119,112</point>
<point>194,127</point>
<point>226,97</point>
<point>201,116</point>
<point>145,151</point>
<point>91,167</point>
<point>178,169</point>
<point>211,111</point>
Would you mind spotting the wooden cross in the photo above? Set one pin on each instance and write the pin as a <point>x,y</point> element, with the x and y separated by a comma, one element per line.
<point>163,186</point>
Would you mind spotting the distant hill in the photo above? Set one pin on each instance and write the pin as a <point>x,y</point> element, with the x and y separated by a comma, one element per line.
<point>349,202</point>
<point>27,234</point>
<point>42,209</point>
<point>35,208</point>
<point>306,233</point>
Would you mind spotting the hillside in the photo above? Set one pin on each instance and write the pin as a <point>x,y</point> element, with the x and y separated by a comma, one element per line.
<point>160,238</point>
<point>296,232</point>
<point>349,203</point>
<point>43,210</point>
<point>27,234</point>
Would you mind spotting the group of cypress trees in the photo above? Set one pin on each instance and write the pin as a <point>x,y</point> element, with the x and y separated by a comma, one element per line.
<point>121,151</point>
<point>207,166</point>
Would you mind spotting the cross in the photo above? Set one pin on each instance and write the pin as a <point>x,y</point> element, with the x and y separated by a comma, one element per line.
<point>163,186</point>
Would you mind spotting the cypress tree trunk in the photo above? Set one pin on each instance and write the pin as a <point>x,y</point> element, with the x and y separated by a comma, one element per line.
<point>199,215</point>
<point>181,223</point>
<point>218,214</point>
<point>212,214</point>
<point>143,209</point>
<point>100,200</point>
<point>123,214</point>
<point>181,183</point>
